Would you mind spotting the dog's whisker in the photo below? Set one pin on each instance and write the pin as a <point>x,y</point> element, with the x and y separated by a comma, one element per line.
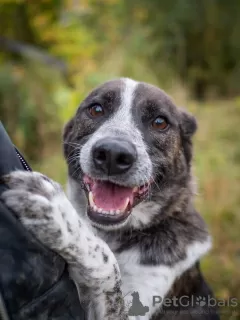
<point>73,156</point>
<point>71,143</point>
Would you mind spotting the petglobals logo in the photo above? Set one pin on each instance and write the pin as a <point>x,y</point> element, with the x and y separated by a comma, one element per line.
<point>186,301</point>
<point>198,304</point>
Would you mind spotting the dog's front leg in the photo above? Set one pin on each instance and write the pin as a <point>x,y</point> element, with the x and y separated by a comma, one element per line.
<point>44,210</point>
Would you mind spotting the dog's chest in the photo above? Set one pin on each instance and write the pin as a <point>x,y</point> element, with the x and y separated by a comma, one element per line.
<point>133,274</point>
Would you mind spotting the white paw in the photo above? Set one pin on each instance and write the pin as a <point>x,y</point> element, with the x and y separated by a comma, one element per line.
<point>43,208</point>
<point>32,196</point>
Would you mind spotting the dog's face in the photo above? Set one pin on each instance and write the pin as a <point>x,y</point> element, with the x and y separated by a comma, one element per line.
<point>127,144</point>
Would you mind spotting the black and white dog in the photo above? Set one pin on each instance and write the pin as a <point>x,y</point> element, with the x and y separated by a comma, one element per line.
<point>128,229</point>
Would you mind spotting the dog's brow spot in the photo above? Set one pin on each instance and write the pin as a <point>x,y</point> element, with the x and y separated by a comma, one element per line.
<point>97,247</point>
<point>105,257</point>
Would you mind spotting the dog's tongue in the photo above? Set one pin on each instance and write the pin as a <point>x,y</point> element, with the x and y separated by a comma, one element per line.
<point>109,196</point>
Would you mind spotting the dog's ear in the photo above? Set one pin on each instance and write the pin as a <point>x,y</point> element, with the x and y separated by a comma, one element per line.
<point>67,129</point>
<point>67,137</point>
<point>188,126</point>
<point>188,123</point>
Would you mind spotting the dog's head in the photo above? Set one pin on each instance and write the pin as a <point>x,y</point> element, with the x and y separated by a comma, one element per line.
<point>127,145</point>
<point>135,295</point>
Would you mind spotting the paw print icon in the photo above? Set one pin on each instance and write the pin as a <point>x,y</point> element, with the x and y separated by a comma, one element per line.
<point>201,301</point>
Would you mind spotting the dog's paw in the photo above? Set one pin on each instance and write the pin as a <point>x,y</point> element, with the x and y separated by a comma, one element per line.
<point>35,200</point>
<point>44,209</point>
<point>33,182</point>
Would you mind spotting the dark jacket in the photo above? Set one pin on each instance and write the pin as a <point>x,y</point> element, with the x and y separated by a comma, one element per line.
<point>34,282</point>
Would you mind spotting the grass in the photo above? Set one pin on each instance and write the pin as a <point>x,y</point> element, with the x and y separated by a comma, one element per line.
<point>217,167</point>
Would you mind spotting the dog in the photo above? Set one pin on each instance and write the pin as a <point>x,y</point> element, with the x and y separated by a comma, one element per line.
<point>128,225</point>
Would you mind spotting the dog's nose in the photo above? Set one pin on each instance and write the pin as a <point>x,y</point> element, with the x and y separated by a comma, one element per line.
<point>113,156</point>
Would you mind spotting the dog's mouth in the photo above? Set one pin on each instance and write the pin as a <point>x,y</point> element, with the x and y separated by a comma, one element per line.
<point>110,203</point>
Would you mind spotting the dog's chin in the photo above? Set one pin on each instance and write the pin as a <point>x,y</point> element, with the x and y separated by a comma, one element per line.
<point>110,204</point>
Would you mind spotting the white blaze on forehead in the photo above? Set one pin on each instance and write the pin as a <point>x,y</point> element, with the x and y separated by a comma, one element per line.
<point>127,94</point>
<point>122,119</point>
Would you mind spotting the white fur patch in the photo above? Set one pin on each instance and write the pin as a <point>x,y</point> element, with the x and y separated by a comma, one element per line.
<point>127,96</point>
<point>150,281</point>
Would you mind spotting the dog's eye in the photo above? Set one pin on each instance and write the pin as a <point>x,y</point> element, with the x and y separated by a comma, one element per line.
<point>96,110</point>
<point>159,123</point>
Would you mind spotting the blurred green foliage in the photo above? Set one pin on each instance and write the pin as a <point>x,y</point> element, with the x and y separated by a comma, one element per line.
<point>198,39</point>
<point>53,52</point>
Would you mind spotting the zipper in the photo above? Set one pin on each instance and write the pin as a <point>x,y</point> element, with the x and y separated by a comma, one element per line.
<point>23,161</point>
<point>3,311</point>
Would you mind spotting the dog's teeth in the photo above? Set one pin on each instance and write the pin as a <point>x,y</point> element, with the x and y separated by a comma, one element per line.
<point>123,208</point>
<point>135,189</point>
<point>110,212</point>
<point>90,197</point>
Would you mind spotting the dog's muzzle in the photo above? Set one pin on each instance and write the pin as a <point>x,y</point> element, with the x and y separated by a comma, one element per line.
<point>111,203</point>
